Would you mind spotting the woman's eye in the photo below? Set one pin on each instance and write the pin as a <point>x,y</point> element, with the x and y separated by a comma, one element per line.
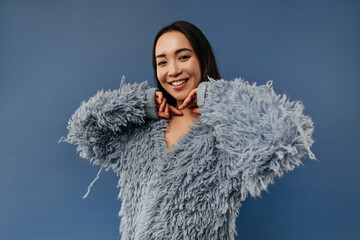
<point>161,63</point>
<point>184,57</point>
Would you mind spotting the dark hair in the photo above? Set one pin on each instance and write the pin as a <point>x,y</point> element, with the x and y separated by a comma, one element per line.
<point>201,48</point>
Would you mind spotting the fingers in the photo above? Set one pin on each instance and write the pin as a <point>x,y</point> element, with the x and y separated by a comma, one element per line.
<point>190,100</point>
<point>188,104</point>
<point>159,97</point>
<point>167,110</point>
<point>163,115</point>
<point>164,109</point>
<point>163,104</point>
<point>196,110</point>
<point>175,110</point>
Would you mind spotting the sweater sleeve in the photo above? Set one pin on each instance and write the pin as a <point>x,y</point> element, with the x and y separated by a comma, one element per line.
<point>103,124</point>
<point>262,134</point>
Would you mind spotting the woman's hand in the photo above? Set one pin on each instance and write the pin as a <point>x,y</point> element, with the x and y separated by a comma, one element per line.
<point>191,102</point>
<point>163,108</point>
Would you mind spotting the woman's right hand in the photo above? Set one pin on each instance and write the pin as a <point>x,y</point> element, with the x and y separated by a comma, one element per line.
<point>163,108</point>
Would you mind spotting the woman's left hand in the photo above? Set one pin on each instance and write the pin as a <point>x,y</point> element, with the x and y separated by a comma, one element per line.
<point>191,102</point>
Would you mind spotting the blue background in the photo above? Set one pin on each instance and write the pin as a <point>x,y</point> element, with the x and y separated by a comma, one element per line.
<point>55,54</point>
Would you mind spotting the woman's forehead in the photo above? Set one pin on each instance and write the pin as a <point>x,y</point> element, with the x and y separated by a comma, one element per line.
<point>170,42</point>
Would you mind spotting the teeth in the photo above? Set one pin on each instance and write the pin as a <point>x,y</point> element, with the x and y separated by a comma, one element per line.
<point>178,83</point>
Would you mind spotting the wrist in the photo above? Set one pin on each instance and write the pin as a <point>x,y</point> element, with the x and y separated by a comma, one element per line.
<point>150,106</point>
<point>201,92</point>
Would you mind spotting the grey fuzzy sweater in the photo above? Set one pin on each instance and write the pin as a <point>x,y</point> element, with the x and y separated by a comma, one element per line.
<point>245,136</point>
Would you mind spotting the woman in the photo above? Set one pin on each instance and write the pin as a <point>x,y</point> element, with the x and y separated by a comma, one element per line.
<point>179,68</point>
<point>189,153</point>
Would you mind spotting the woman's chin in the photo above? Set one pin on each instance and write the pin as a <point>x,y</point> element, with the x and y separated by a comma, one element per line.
<point>180,98</point>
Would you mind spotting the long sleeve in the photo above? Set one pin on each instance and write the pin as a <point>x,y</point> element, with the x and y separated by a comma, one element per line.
<point>263,134</point>
<point>102,125</point>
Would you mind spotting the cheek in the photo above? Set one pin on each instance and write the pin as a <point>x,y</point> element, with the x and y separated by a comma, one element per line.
<point>195,70</point>
<point>160,75</point>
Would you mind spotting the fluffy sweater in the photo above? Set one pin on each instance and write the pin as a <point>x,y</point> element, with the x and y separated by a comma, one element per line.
<point>245,136</point>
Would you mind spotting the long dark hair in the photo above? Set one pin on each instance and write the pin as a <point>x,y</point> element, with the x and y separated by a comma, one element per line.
<point>201,48</point>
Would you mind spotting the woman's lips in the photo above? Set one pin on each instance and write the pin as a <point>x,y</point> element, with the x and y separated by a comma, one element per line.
<point>179,86</point>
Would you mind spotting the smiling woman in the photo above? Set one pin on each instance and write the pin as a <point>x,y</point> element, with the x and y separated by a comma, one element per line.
<point>191,151</point>
<point>178,72</point>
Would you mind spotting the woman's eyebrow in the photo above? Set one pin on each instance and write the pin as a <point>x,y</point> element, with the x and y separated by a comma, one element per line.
<point>182,49</point>
<point>176,52</point>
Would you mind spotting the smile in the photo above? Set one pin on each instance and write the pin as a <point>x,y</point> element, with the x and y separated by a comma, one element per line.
<point>177,83</point>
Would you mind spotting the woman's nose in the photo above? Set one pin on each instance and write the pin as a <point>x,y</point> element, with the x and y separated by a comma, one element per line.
<point>174,69</point>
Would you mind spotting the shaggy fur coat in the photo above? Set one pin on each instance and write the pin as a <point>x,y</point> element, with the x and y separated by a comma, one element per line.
<point>245,136</point>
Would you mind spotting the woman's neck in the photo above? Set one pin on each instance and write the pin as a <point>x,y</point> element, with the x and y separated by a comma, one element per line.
<point>187,112</point>
<point>179,103</point>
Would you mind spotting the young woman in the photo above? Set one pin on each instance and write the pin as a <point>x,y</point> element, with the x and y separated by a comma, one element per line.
<point>189,152</point>
<point>179,68</point>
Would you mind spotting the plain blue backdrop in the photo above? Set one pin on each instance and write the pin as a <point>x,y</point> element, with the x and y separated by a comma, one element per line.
<point>55,54</point>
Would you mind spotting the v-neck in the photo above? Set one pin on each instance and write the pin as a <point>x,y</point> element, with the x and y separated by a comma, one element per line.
<point>181,141</point>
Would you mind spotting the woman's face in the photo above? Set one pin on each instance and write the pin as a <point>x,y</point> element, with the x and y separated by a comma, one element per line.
<point>177,66</point>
